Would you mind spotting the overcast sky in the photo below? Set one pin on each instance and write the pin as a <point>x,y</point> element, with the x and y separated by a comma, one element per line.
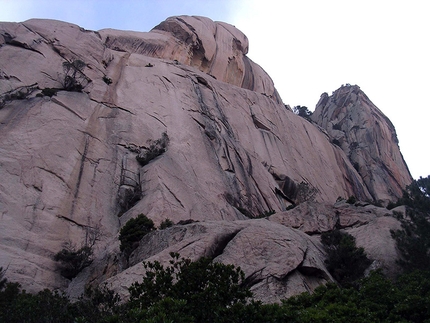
<point>307,46</point>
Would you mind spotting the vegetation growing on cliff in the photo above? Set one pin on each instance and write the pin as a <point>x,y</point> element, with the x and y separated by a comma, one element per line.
<point>302,111</point>
<point>133,231</point>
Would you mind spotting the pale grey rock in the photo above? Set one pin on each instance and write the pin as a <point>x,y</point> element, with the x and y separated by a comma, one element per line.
<point>369,224</point>
<point>278,262</point>
<point>68,162</point>
<point>367,137</point>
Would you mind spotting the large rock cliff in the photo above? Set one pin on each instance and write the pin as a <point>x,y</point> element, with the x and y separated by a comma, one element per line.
<point>175,123</point>
<point>367,137</point>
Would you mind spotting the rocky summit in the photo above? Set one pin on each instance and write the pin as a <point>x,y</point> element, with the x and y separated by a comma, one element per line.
<point>178,123</point>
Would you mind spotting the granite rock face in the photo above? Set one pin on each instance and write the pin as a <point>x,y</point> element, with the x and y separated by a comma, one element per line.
<point>175,123</point>
<point>367,137</point>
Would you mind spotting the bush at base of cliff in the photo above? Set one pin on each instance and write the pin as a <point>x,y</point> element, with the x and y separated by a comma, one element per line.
<point>133,231</point>
<point>204,291</point>
<point>413,240</point>
<point>199,291</point>
<point>345,262</point>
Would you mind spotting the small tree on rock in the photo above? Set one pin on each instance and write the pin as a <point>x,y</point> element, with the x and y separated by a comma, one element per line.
<point>74,77</point>
<point>133,231</point>
<point>302,111</point>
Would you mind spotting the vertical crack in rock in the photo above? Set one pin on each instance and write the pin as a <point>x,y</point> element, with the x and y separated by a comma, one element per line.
<point>81,171</point>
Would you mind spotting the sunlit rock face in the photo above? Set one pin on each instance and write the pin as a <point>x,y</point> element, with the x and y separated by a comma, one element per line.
<point>367,137</point>
<point>175,123</point>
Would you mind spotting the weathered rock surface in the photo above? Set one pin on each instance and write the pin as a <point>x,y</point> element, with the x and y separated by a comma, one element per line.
<point>370,225</point>
<point>70,174</point>
<point>274,257</point>
<point>367,137</point>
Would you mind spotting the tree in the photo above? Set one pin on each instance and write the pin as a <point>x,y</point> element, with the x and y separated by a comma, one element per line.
<point>133,231</point>
<point>413,240</point>
<point>74,260</point>
<point>345,261</point>
<point>302,111</point>
<point>200,291</point>
<point>155,149</point>
<point>167,223</point>
<point>74,77</point>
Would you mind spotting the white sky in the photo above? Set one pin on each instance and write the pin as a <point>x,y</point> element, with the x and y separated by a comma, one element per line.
<point>307,46</point>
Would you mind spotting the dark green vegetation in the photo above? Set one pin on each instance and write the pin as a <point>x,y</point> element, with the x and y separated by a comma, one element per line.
<point>73,80</point>
<point>74,77</point>
<point>206,291</point>
<point>413,241</point>
<point>186,291</point>
<point>345,262</point>
<point>49,92</point>
<point>73,260</point>
<point>167,223</point>
<point>133,231</point>
<point>351,200</point>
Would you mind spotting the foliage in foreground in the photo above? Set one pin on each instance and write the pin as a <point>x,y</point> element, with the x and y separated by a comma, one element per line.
<point>213,292</point>
<point>204,291</point>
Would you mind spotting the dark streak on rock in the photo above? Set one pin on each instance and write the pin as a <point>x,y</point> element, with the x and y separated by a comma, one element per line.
<point>173,194</point>
<point>81,171</point>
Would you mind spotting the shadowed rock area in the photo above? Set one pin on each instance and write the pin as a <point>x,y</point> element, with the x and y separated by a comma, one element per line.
<point>178,123</point>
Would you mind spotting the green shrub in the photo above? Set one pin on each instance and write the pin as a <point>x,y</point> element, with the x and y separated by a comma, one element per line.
<point>345,261</point>
<point>166,224</point>
<point>73,261</point>
<point>413,240</point>
<point>305,193</point>
<point>199,291</point>
<point>133,231</point>
<point>74,78</point>
<point>49,92</point>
